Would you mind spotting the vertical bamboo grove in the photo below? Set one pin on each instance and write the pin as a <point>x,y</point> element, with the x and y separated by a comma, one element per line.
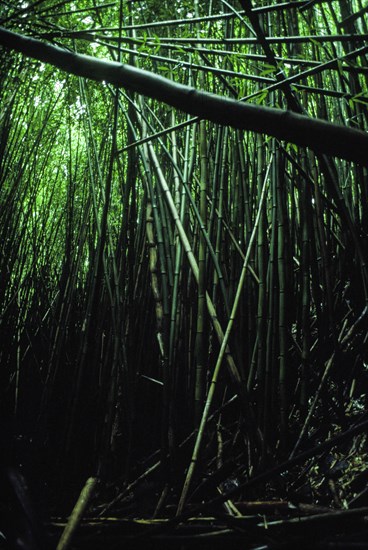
<point>156,269</point>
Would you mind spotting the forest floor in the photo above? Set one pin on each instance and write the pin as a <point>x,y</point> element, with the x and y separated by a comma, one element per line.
<point>316,500</point>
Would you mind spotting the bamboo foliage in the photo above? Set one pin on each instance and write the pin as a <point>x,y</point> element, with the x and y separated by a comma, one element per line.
<point>171,272</point>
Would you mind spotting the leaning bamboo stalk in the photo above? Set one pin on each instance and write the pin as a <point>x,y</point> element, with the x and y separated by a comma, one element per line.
<point>222,354</point>
<point>321,136</point>
<point>193,263</point>
<point>77,513</point>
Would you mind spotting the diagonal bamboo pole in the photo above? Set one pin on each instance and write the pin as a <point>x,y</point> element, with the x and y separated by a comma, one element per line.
<point>222,352</point>
<point>321,136</point>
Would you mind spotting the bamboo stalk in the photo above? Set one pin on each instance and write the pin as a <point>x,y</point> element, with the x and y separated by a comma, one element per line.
<point>77,513</point>
<point>220,358</point>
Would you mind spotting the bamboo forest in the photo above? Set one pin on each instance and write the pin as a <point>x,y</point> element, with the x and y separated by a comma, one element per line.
<point>183,274</point>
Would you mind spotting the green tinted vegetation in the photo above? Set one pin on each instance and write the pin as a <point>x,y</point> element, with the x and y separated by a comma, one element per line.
<point>162,274</point>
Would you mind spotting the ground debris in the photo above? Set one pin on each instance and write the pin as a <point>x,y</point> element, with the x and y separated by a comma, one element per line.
<point>315,499</point>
